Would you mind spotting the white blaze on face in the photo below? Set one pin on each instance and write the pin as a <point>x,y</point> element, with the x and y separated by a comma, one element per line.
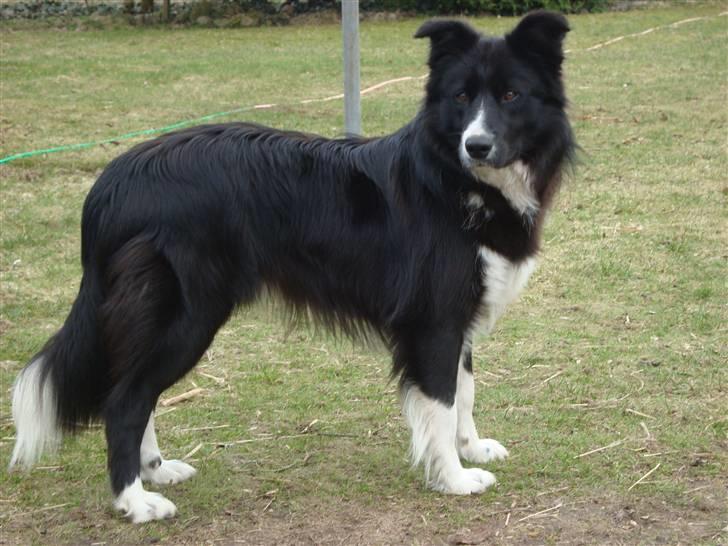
<point>477,127</point>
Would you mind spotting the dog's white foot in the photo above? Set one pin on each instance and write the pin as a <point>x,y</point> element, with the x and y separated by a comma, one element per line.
<point>465,481</point>
<point>482,451</point>
<point>167,472</point>
<point>140,505</point>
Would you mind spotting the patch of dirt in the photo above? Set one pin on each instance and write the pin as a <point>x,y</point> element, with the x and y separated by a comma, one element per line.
<point>604,521</point>
<point>699,518</point>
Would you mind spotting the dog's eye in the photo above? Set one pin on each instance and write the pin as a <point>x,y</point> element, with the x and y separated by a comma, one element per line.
<point>509,96</point>
<point>462,98</point>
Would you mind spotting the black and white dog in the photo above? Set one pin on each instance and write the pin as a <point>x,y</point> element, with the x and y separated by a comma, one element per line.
<point>423,237</point>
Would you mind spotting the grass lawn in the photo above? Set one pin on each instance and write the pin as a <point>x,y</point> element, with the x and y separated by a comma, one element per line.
<point>612,365</point>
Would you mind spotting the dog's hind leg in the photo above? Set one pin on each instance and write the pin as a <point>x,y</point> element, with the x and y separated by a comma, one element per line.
<point>469,446</point>
<point>125,423</point>
<point>155,468</point>
<point>429,362</point>
<point>155,329</point>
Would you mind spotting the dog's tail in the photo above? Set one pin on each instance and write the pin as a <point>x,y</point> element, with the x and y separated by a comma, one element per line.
<point>62,387</point>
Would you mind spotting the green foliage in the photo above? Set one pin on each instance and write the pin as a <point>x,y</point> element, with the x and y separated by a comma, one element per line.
<point>146,6</point>
<point>497,7</point>
<point>442,7</point>
<point>203,8</point>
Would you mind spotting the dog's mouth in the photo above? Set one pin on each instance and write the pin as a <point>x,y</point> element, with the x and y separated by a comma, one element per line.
<point>486,164</point>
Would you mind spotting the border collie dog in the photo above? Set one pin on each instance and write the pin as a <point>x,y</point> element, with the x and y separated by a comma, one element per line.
<point>422,237</point>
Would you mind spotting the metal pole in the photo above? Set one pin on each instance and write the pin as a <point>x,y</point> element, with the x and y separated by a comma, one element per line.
<point>352,99</point>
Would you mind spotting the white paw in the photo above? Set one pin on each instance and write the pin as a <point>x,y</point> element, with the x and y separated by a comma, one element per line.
<point>483,451</point>
<point>168,472</point>
<point>141,506</point>
<point>466,481</point>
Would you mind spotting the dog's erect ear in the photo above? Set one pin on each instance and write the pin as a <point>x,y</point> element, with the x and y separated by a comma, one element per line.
<point>539,37</point>
<point>447,37</point>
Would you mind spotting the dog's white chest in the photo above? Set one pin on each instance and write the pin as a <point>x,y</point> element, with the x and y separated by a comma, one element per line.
<point>503,281</point>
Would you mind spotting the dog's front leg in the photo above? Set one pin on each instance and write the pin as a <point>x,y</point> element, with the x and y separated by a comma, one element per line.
<point>469,446</point>
<point>430,362</point>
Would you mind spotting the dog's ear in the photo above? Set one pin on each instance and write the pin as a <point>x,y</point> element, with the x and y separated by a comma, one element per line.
<point>538,37</point>
<point>447,37</point>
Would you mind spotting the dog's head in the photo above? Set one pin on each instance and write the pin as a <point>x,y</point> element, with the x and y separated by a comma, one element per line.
<point>494,101</point>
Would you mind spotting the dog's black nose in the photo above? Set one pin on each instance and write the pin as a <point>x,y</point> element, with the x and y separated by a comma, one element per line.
<point>478,146</point>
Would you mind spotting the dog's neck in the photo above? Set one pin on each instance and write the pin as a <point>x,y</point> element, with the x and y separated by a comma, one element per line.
<point>515,184</point>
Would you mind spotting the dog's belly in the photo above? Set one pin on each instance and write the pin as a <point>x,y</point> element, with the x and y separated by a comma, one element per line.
<point>503,281</point>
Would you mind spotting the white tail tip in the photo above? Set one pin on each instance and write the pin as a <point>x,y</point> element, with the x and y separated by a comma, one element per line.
<point>35,416</point>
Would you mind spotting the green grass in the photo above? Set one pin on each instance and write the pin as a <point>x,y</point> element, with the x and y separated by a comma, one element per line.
<point>619,339</point>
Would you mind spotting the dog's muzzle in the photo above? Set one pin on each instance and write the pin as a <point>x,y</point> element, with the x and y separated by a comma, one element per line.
<point>479,147</point>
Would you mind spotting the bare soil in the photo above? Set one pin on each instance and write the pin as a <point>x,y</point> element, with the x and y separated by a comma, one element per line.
<point>545,519</point>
